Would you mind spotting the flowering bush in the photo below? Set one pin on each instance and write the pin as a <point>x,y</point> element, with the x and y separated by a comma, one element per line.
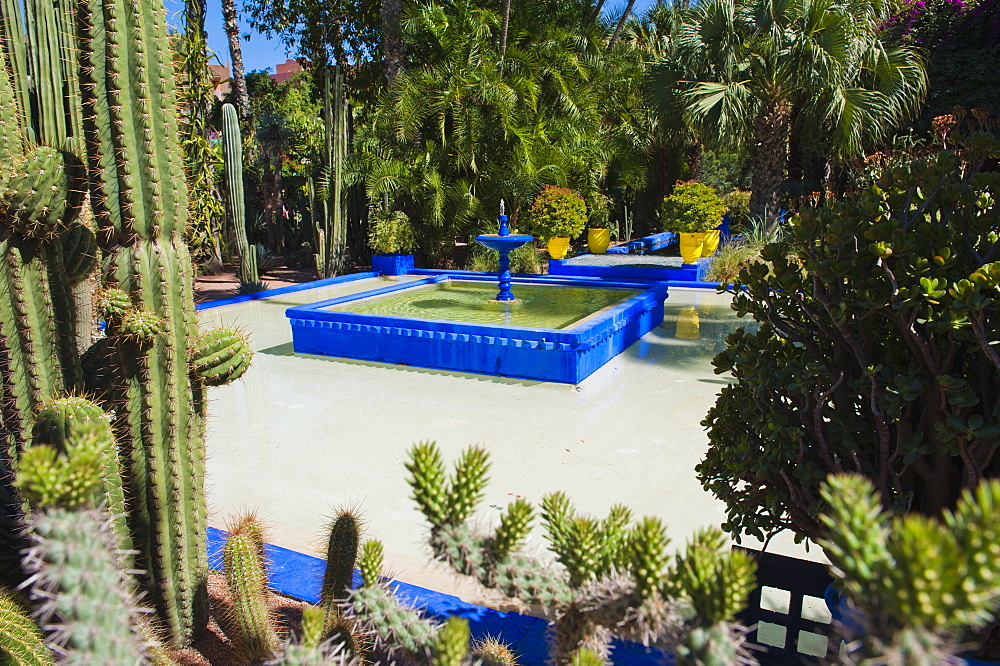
<point>557,212</point>
<point>693,207</point>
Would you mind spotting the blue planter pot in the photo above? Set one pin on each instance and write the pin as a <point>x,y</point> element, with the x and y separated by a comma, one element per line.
<point>392,264</point>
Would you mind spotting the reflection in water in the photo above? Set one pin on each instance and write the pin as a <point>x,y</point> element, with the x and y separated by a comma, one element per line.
<point>693,334</point>
<point>536,306</point>
<point>688,327</point>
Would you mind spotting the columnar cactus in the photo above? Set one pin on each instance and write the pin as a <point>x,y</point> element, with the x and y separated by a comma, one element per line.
<point>254,633</point>
<point>235,204</point>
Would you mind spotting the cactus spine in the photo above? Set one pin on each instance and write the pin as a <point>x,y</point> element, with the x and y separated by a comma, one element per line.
<point>235,202</point>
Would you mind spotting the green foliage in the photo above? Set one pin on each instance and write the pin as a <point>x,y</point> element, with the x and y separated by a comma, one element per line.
<point>737,205</point>
<point>522,260</point>
<point>917,581</point>
<point>20,638</point>
<point>693,207</point>
<point>556,212</point>
<point>615,576</point>
<point>598,211</point>
<point>390,232</point>
<point>875,352</point>
<point>221,356</point>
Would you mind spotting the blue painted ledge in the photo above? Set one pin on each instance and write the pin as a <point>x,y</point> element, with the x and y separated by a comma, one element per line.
<point>268,293</point>
<point>300,576</point>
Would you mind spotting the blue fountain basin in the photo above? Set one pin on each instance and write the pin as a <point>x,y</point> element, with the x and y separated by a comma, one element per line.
<point>566,355</point>
<point>501,243</point>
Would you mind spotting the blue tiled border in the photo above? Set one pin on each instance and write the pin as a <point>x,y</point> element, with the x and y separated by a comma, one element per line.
<point>300,576</point>
<point>552,355</point>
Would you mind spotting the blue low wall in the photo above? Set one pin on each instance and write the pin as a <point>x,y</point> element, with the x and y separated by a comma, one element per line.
<point>268,293</point>
<point>552,355</point>
<point>646,244</point>
<point>687,272</point>
<point>301,577</point>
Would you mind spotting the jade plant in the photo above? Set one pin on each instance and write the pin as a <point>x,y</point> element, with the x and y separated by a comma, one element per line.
<point>614,577</point>
<point>693,207</point>
<point>557,212</point>
<point>876,352</point>
<point>916,584</point>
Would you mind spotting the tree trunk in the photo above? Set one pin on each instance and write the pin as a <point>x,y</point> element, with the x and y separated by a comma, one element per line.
<point>392,41</point>
<point>694,150</point>
<point>769,154</point>
<point>236,55</point>
<point>621,24</point>
<point>505,12</point>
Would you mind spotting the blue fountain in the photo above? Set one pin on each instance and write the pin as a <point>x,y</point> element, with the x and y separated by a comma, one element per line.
<point>503,243</point>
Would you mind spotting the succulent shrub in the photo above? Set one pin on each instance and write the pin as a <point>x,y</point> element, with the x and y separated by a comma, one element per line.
<point>876,352</point>
<point>390,232</point>
<point>917,582</point>
<point>693,207</point>
<point>557,212</point>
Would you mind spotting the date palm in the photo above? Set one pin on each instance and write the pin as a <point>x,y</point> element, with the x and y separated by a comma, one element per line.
<point>747,64</point>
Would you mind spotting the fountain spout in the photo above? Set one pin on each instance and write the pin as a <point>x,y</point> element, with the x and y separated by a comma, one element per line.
<point>503,243</point>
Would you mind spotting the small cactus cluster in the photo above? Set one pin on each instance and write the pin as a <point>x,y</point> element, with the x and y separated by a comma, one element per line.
<point>615,578</point>
<point>916,582</point>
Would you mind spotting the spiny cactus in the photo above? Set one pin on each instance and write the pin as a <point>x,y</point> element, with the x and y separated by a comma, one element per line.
<point>44,193</point>
<point>396,625</point>
<point>451,645</point>
<point>221,356</point>
<point>84,596</point>
<point>493,652</point>
<point>21,642</point>
<point>917,582</point>
<point>616,577</point>
<point>79,246</point>
<point>235,204</point>
<point>254,632</point>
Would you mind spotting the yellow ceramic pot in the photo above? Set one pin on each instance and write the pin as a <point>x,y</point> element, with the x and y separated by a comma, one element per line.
<point>598,240</point>
<point>691,244</point>
<point>558,247</point>
<point>711,242</point>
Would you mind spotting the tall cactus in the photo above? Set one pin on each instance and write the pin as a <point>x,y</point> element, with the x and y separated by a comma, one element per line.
<point>140,203</point>
<point>41,248</point>
<point>235,203</point>
<point>331,232</point>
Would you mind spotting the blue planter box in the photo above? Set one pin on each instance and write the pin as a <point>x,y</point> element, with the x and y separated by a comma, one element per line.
<point>552,355</point>
<point>392,264</point>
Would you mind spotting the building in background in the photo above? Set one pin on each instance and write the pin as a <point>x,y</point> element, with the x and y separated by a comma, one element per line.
<point>286,70</point>
<point>220,79</point>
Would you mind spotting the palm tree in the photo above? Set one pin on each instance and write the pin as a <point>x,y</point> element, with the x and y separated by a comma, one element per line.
<point>232,27</point>
<point>746,65</point>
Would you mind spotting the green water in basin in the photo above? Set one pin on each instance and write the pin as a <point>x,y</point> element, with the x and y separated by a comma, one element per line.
<point>539,306</point>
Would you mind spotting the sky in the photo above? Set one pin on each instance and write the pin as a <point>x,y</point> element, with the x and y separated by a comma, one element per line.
<point>262,53</point>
